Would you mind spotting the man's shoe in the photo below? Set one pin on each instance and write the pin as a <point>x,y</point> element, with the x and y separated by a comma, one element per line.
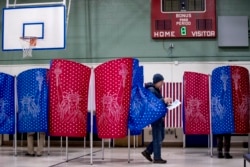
<point>39,154</point>
<point>160,161</point>
<point>220,155</point>
<point>147,155</point>
<point>30,155</point>
<point>228,156</point>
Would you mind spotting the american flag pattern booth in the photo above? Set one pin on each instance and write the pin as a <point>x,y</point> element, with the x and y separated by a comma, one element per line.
<point>113,84</point>
<point>196,115</point>
<point>69,85</point>
<point>230,100</point>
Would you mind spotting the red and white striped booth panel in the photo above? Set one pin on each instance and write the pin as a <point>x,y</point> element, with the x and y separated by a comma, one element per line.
<point>173,118</point>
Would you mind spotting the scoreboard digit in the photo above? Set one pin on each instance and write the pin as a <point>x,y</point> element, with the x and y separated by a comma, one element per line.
<point>183,19</point>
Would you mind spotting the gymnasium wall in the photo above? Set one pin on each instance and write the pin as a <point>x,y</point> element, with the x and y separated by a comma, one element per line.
<point>101,30</point>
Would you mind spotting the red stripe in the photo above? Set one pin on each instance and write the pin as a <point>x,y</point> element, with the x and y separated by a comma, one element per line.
<point>174,91</point>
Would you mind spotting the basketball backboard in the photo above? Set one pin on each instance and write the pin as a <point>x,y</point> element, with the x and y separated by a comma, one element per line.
<point>47,23</point>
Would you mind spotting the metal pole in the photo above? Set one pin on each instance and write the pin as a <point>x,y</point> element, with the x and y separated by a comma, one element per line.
<point>38,138</point>
<point>137,141</point>
<point>64,2</point>
<point>1,138</point>
<point>67,155</point>
<point>67,18</point>
<point>210,110</point>
<point>15,103</point>
<point>92,79</point>
<point>113,142</point>
<point>248,143</point>
<point>61,144</point>
<point>84,142</point>
<point>102,149</point>
<point>184,141</point>
<point>35,4</point>
<point>48,145</point>
<point>128,146</point>
<point>134,140</point>
<point>184,135</point>
<point>7,3</point>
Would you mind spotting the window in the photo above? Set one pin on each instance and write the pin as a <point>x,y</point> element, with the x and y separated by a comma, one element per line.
<point>183,5</point>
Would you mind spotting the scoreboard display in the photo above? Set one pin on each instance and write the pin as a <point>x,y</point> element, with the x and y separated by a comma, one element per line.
<point>183,19</point>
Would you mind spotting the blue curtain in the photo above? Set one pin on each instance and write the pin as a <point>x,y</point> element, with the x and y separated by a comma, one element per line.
<point>145,109</point>
<point>136,80</point>
<point>7,104</point>
<point>221,103</point>
<point>32,91</point>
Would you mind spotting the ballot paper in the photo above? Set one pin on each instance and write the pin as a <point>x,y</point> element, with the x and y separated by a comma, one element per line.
<point>173,105</point>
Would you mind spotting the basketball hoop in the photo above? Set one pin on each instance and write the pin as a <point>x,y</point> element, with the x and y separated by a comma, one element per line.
<point>28,43</point>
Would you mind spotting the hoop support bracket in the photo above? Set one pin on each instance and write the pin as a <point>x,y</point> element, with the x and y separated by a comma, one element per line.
<point>34,4</point>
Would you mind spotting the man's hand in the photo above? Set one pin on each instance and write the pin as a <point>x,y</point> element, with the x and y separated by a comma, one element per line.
<point>168,100</point>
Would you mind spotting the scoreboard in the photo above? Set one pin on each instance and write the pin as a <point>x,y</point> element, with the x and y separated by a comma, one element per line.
<point>183,19</point>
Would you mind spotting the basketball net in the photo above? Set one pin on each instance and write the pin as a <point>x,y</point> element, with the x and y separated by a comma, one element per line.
<point>28,43</point>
